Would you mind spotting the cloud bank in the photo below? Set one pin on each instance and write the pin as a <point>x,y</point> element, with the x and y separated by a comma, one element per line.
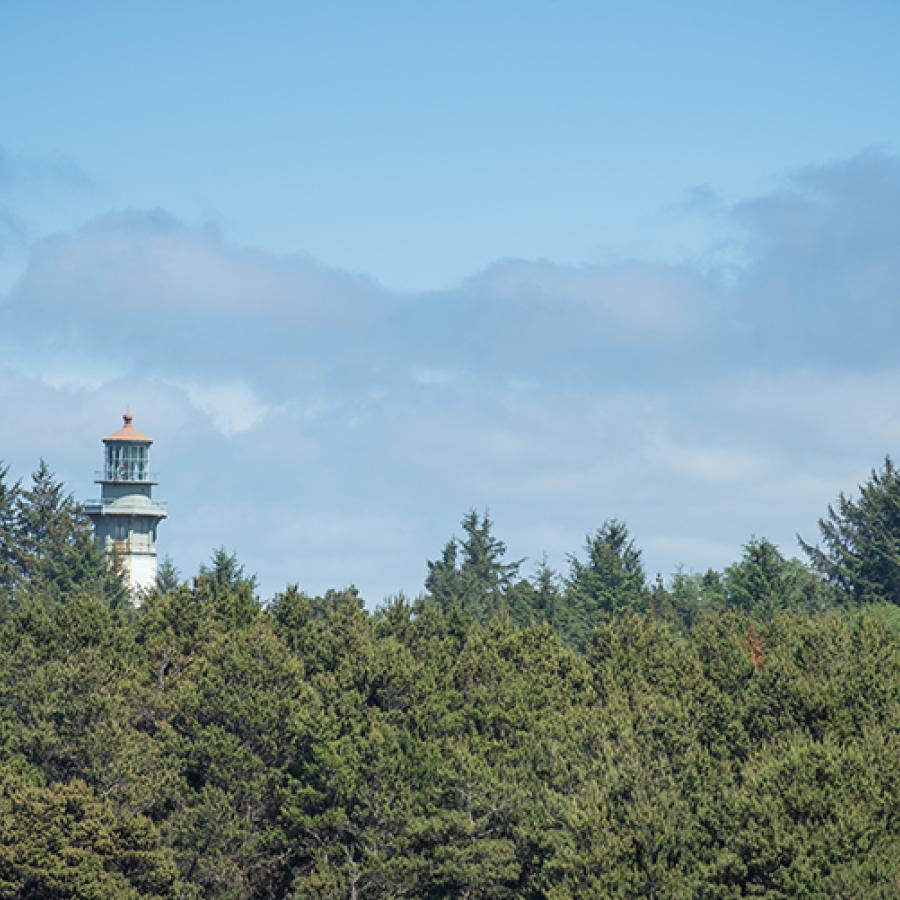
<point>331,431</point>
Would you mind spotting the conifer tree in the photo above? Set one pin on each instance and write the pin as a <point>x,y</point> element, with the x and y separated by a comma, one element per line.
<point>611,578</point>
<point>167,576</point>
<point>207,746</point>
<point>763,581</point>
<point>472,575</point>
<point>225,574</point>
<point>860,555</point>
<point>443,581</point>
<point>55,548</point>
<point>9,495</point>
<point>225,586</point>
<point>483,555</point>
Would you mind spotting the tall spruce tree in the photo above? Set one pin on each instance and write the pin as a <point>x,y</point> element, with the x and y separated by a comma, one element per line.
<point>860,551</point>
<point>611,577</point>
<point>472,575</point>
<point>764,582</point>
<point>55,552</point>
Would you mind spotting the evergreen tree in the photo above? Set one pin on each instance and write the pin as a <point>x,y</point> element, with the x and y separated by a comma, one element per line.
<point>692,595</point>
<point>66,841</point>
<point>9,569</point>
<point>538,599</point>
<point>225,574</point>
<point>861,538</point>
<point>226,588</point>
<point>764,581</point>
<point>207,746</point>
<point>55,548</point>
<point>610,579</point>
<point>472,575</point>
<point>167,576</point>
<point>443,581</point>
<point>483,556</point>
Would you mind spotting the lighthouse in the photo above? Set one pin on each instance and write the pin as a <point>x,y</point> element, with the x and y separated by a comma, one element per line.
<point>126,516</point>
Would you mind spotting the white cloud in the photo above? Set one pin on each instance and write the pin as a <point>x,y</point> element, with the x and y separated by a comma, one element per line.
<point>630,299</point>
<point>144,271</point>
<point>555,395</point>
<point>232,407</point>
<point>705,462</point>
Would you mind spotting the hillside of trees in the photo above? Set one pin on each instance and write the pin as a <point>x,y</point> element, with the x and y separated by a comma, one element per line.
<point>588,733</point>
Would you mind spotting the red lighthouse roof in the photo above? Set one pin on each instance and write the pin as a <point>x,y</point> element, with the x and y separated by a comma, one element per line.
<point>128,432</point>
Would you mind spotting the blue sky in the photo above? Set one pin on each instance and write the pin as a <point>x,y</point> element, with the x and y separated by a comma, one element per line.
<point>358,267</point>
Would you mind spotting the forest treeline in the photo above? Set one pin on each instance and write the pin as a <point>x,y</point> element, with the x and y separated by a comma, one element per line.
<point>589,733</point>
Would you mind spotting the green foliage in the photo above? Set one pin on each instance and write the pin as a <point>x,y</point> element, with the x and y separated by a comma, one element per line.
<point>608,580</point>
<point>691,597</point>
<point>861,538</point>
<point>499,737</point>
<point>65,841</point>
<point>9,543</point>
<point>764,582</point>
<point>612,575</point>
<point>471,577</point>
<point>47,546</point>
<point>167,576</point>
<point>223,586</point>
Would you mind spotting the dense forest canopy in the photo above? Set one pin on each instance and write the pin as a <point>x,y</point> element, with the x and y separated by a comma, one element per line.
<point>588,733</point>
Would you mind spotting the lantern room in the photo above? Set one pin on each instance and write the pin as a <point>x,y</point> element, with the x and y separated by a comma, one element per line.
<point>127,454</point>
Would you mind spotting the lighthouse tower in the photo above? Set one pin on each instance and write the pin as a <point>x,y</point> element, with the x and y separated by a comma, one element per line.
<point>126,517</point>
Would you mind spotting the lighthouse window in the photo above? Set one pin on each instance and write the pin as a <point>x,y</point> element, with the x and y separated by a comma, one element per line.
<point>126,462</point>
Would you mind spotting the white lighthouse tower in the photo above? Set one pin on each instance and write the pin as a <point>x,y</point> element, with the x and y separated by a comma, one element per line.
<point>126,517</point>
